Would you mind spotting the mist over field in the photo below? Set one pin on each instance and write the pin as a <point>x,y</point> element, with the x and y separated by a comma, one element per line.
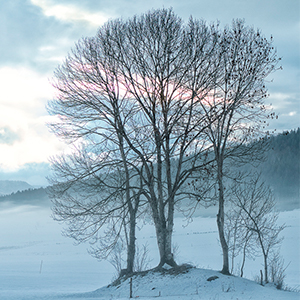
<point>36,260</point>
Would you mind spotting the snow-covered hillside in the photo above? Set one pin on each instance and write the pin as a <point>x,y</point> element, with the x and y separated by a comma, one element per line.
<point>192,284</point>
<point>36,262</point>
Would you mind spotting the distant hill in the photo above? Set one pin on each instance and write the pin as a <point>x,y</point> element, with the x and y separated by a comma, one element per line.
<point>31,196</point>
<point>9,186</point>
<point>281,169</point>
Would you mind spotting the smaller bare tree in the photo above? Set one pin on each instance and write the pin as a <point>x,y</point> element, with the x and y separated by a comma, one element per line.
<point>277,269</point>
<point>239,238</point>
<point>142,259</point>
<point>98,201</point>
<point>234,235</point>
<point>116,258</point>
<point>255,203</point>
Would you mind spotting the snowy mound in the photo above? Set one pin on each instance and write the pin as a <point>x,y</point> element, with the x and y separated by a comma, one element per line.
<point>190,284</point>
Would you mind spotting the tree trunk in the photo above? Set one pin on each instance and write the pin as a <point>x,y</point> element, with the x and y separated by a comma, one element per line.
<point>247,238</point>
<point>131,209</point>
<point>170,220</point>
<point>164,242</point>
<point>266,268</point>
<point>243,261</point>
<point>220,223</point>
<point>265,254</point>
<point>131,244</point>
<point>169,234</point>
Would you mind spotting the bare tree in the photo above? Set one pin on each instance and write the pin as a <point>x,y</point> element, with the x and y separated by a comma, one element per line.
<point>162,65</point>
<point>277,270</point>
<point>233,233</point>
<point>131,95</point>
<point>240,240</point>
<point>151,96</point>
<point>258,217</point>
<point>244,59</point>
<point>91,111</point>
<point>142,259</point>
<point>94,205</point>
<point>116,258</point>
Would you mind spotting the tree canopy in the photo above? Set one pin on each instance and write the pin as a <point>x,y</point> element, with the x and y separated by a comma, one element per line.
<point>144,104</point>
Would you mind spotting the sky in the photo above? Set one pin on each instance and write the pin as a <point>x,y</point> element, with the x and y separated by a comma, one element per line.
<point>36,35</point>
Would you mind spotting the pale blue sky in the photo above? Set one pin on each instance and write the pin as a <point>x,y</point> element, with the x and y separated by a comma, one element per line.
<point>37,34</point>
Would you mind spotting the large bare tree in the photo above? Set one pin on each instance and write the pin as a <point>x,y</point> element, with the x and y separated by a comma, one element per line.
<point>92,185</point>
<point>150,97</point>
<point>132,96</point>
<point>244,60</point>
<point>162,64</point>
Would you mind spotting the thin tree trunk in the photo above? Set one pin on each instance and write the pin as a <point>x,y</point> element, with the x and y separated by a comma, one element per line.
<point>265,254</point>
<point>248,236</point>
<point>243,261</point>
<point>233,247</point>
<point>220,223</point>
<point>266,268</point>
<point>132,210</point>
<point>170,224</point>
<point>131,244</point>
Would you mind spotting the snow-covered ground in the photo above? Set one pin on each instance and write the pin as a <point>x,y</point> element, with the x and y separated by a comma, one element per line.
<point>36,262</point>
<point>192,285</point>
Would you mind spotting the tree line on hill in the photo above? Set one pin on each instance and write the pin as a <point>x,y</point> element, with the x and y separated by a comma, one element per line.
<point>280,170</point>
<point>33,196</point>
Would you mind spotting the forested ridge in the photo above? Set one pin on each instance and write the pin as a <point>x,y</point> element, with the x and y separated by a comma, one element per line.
<point>280,170</point>
<point>37,196</point>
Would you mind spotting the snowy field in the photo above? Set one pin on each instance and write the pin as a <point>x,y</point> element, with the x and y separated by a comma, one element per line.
<point>36,262</point>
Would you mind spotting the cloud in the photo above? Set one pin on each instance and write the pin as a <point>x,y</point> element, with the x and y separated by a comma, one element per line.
<point>8,136</point>
<point>22,31</point>
<point>36,146</point>
<point>24,137</point>
<point>23,91</point>
<point>29,38</point>
<point>292,113</point>
<point>33,173</point>
<point>286,106</point>
<point>70,12</point>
